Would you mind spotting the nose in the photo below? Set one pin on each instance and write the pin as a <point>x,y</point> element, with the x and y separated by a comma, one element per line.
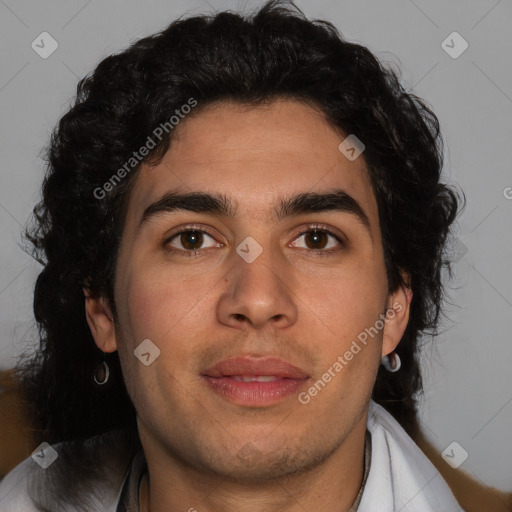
<point>257,294</point>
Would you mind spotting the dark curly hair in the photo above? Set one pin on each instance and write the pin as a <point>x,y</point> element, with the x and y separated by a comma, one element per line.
<point>274,53</point>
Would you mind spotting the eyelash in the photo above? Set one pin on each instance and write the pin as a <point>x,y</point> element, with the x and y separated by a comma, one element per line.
<point>315,252</point>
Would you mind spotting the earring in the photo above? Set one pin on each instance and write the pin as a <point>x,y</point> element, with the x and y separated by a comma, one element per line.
<point>391,362</point>
<point>101,373</point>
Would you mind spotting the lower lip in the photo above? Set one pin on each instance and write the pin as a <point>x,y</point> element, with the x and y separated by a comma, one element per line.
<point>254,394</point>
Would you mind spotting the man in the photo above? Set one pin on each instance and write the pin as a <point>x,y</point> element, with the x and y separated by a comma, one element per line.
<point>242,219</point>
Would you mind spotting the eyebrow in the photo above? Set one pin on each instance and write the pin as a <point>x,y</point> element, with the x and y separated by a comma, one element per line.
<point>336,200</point>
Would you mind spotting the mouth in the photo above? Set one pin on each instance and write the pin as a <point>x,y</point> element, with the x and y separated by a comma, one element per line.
<point>254,378</point>
<point>255,382</point>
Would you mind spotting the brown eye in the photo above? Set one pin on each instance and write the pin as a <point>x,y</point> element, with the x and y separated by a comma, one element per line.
<point>318,240</point>
<point>190,240</point>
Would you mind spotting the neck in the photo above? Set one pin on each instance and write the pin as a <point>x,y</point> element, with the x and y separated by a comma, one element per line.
<point>332,484</point>
<point>144,494</point>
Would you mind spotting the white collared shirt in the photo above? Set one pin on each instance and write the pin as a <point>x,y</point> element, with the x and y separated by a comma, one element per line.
<point>400,479</point>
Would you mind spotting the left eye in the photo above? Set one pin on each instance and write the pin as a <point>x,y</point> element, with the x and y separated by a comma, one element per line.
<point>314,237</point>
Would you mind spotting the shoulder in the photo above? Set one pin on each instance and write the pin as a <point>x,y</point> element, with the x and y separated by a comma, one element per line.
<point>400,473</point>
<point>14,495</point>
<point>381,423</point>
<point>85,475</point>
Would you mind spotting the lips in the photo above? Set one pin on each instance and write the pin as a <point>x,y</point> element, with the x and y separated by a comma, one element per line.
<point>251,366</point>
<point>255,382</point>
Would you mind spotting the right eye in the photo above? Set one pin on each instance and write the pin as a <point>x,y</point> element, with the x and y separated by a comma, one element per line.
<point>190,241</point>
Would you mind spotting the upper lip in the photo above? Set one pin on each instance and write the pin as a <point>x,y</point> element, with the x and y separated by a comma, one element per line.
<point>250,365</point>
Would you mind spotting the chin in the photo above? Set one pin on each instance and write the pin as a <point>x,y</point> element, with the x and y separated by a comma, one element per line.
<point>253,465</point>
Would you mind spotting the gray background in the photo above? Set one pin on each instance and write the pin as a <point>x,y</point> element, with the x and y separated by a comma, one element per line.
<point>468,382</point>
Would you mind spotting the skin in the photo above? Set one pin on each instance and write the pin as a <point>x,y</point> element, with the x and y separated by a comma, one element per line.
<point>204,452</point>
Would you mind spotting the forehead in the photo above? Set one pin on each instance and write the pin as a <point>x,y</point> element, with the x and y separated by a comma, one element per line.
<point>256,156</point>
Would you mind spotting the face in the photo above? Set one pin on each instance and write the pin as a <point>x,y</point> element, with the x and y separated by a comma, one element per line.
<point>256,282</point>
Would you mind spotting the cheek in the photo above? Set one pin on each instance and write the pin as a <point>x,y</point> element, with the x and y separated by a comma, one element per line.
<point>160,304</point>
<point>153,308</point>
<point>147,302</point>
<point>347,301</point>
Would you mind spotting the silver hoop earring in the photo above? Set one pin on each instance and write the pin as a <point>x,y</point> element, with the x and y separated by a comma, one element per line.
<point>101,373</point>
<point>391,362</point>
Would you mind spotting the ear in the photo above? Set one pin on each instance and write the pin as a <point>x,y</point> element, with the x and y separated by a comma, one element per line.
<point>397,316</point>
<point>101,322</point>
